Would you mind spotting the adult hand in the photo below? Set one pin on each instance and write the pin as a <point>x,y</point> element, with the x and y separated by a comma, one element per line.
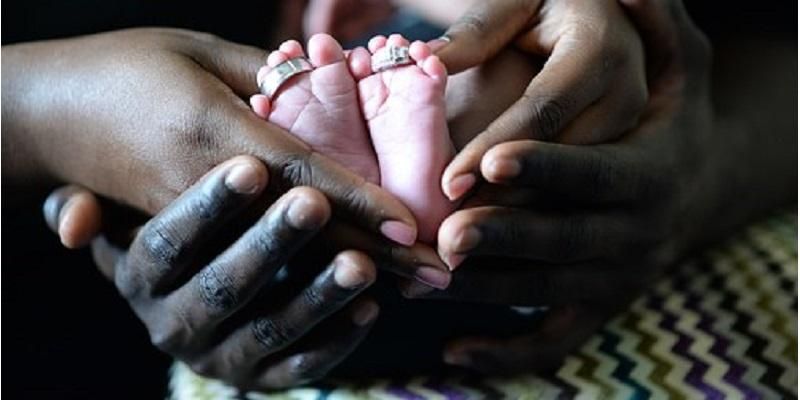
<point>211,303</point>
<point>141,114</point>
<point>138,115</point>
<point>591,89</point>
<point>589,227</point>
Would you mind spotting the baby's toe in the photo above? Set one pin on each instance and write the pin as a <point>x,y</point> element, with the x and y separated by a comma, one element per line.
<point>260,105</point>
<point>419,51</point>
<point>359,61</point>
<point>434,68</point>
<point>292,49</point>
<point>376,43</point>
<point>262,73</point>
<point>323,49</point>
<point>397,40</point>
<point>275,58</point>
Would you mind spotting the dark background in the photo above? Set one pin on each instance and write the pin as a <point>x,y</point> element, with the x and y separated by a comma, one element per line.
<point>68,334</point>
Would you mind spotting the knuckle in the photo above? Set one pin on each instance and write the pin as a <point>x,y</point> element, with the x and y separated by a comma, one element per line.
<point>160,243</point>
<point>272,335</point>
<point>548,115</point>
<point>217,289</point>
<point>314,299</point>
<point>297,170</point>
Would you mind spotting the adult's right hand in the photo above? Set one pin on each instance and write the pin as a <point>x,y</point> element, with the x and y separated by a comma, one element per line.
<point>223,308</point>
<point>139,115</point>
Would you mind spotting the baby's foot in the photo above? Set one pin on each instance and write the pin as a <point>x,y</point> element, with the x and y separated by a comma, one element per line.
<point>405,111</point>
<point>321,107</point>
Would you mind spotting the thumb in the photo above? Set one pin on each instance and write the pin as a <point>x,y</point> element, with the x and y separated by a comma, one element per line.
<point>484,30</point>
<point>234,64</point>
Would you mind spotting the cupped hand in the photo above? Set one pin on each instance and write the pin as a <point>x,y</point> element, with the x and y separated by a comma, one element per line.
<point>139,115</point>
<point>584,229</point>
<point>216,302</point>
<point>591,89</point>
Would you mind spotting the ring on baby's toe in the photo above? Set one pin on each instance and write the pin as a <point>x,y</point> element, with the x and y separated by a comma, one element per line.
<point>282,72</point>
<point>390,57</point>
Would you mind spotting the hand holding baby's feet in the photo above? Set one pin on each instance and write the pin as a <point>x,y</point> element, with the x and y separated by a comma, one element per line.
<point>343,102</point>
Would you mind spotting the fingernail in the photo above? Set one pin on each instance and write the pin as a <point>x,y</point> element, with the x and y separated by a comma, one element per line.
<point>65,224</point>
<point>350,277</point>
<point>503,169</point>
<point>365,313</point>
<point>399,232</point>
<point>243,178</point>
<point>300,214</point>
<point>438,43</point>
<point>432,276</point>
<point>459,185</point>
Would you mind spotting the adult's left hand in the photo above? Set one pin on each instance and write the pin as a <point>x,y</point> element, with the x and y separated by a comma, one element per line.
<point>589,227</point>
<point>591,89</point>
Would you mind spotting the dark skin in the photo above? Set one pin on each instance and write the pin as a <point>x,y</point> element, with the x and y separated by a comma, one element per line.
<point>638,206</point>
<point>140,123</point>
<point>212,318</point>
<point>639,164</point>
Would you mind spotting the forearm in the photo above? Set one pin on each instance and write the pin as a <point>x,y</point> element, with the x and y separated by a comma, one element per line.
<point>755,159</point>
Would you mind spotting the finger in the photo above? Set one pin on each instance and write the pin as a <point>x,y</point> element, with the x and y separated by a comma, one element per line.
<point>75,214</point>
<point>418,262</point>
<point>234,64</point>
<point>551,237</point>
<point>582,174</point>
<point>293,163</point>
<point>233,278</point>
<point>349,274</point>
<point>658,31</point>
<point>611,117</point>
<point>107,256</point>
<point>168,242</point>
<point>484,30</point>
<point>332,342</point>
<point>553,99</point>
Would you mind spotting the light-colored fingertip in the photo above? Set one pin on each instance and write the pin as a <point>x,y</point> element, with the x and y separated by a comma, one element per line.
<point>458,186</point>
<point>399,232</point>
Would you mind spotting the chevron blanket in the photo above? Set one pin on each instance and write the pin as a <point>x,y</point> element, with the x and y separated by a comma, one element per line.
<point>722,326</point>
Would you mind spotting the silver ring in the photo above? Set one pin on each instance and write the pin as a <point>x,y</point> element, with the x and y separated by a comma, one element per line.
<point>282,72</point>
<point>390,57</point>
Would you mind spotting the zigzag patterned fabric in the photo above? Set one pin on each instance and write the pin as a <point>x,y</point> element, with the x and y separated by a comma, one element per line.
<point>721,326</point>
